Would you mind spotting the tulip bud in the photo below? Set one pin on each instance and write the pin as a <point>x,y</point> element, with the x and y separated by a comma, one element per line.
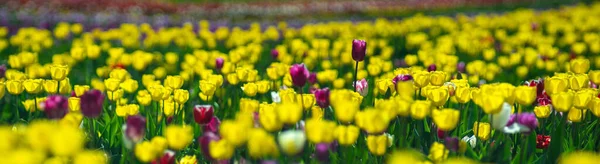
<point>299,74</point>
<point>359,50</point>
<point>59,72</point>
<point>322,151</point>
<point>274,53</point>
<point>461,67</point>
<point>322,97</point>
<point>203,141</point>
<point>203,114</point>
<point>362,87</point>
<point>452,143</point>
<point>580,66</point>
<point>135,128</point>
<point>431,68</point>
<point>312,78</point>
<point>219,63</point>
<point>56,107</point>
<point>213,125</point>
<point>91,103</point>
<point>33,86</point>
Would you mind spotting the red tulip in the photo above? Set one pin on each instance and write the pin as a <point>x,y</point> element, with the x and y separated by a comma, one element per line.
<point>542,141</point>
<point>167,158</point>
<point>213,125</point>
<point>203,114</point>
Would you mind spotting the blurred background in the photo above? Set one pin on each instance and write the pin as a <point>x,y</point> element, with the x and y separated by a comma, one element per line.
<point>159,13</point>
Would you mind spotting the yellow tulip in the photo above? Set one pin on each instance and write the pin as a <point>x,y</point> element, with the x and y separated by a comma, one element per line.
<point>575,115</point>
<point>74,105</point>
<point>102,72</point>
<point>65,86</point>
<point>319,131</point>
<point>420,109</point>
<point>250,105</point>
<point>405,89</point>
<point>317,112</point>
<point>59,72</point>
<point>542,111</point>
<point>174,82</point>
<point>462,94</point>
<point>119,74</point>
<point>438,152</point>
<point>438,96</point>
<point>525,95</point>
<point>178,137</point>
<point>377,144</point>
<point>563,101</point>
<point>438,78</point>
<point>221,150</point>
<point>145,152</point>
<point>230,130</point>
<point>2,89</point>
<point>112,84</point>
<point>555,84</point>
<point>81,89</point>
<point>207,87</point>
<point>307,100</point>
<point>160,72</point>
<point>388,107</point>
<point>373,121</point>
<point>114,95</point>
<point>181,96</point>
<point>148,80</point>
<point>14,87</point>
<point>594,106</point>
<point>582,98</point>
<point>491,104</point>
<point>269,118</point>
<point>33,86</point>
<point>50,86</point>
<point>346,135</point>
<point>345,111</point>
<point>250,89</point>
<point>595,76</point>
<point>578,81</point>
<point>263,86</point>
<point>445,119</point>
<point>261,144</point>
<point>289,113</point>
<point>129,85</point>
<point>143,97</point>
<point>421,78</point>
<point>482,130</point>
<point>580,65</point>
<point>29,105</point>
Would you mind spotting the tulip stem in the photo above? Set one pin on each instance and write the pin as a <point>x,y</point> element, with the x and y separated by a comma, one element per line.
<point>17,111</point>
<point>355,76</point>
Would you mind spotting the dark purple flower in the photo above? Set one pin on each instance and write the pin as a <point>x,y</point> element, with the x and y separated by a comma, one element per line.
<point>402,77</point>
<point>136,128</point>
<point>203,114</point>
<point>219,63</point>
<point>203,141</point>
<point>322,151</point>
<point>2,70</point>
<point>312,78</point>
<point>56,106</point>
<point>461,67</point>
<point>432,68</point>
<point>213,125</point>
<point>451,143</point>
<point>274,53</point>
<point>322,97</point>
<point>91,103</point>
<point>299,74</point>
<point>359,50</point>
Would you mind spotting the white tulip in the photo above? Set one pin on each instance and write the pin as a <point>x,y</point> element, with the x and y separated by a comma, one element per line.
<point>292,142</point>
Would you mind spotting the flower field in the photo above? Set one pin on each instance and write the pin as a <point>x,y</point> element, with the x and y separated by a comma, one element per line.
<point>513,87</point>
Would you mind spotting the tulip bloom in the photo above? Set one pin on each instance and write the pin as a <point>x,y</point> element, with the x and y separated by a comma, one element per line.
<point>438,152</point>
<point>33,86</point>
<point>580,66</point>
<point>378,144</point>
<point>542,111</point>
<point>542,141</point>
<point>203,114</point>
<point>59,72</point>
<point>594,76</point>
<point>219,62</point>
<point>359,50</point>
<point>91,103</point>
<point>362,87</point>
<point>525,95</point>
<point>446,119</point>
<point>299,74</point>
<point>346,135</point>
<point>322,97</point>
<point>438,78</point>
<point>135,128</point>
<point>56,107</point>
<point>178,137</point>
<point>291,142</point>
<point>562,101</point>
<point>419,109</point>
<point>174,82</point>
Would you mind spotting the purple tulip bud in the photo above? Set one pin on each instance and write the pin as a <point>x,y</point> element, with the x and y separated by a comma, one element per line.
<point>213,125</point>
<point>219,63</point>
<point>274,53</point>
<point>451,143</point>
<point>359,50</point>
<point>91,103</point>
<point>322,97</point>
<point>299,74</point>
<point>136,128</point>
<point>402,77</point>
<point>2,70</point>
<point>312,78</point>
<point>461,67</point>
<point>432,68</point>
<point>56,106</point>
<point>322,151</point>
<point>203,141</point>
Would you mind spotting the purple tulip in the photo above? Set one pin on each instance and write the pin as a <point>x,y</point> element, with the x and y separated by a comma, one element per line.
<point>451,143</point>
<point>219,62</point>
<point>91,103</point>
<point>312,78</point>
<point>213,125</point>
<point>136,128</point>
<point>322,151</point>
<point>56,106</point>
<point>299,74</point>
<point>402,77</point>
<point>203,141</point>
<point>432,68</point>
<point>2,70</point>
<point>526,119</point>
<point>274,53</point>
<point>461,67</point>
<point>203,114</point>
<point>359,50</point>
<point>322,97</point>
